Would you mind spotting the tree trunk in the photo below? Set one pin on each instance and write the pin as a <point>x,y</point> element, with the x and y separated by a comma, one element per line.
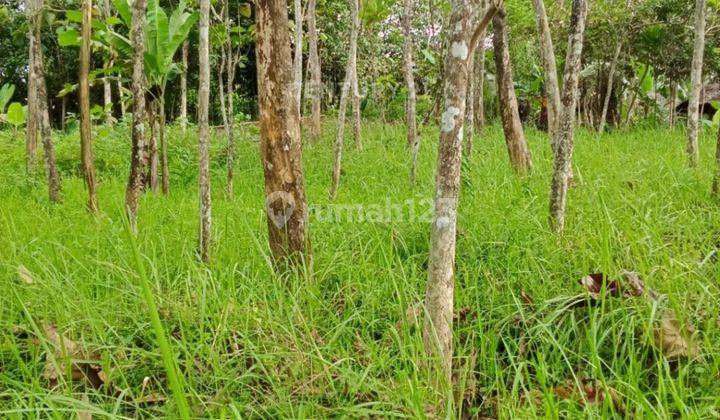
<point>564,140</point>
<point>107,96</point>
<point>547,56</point>
<point>696,84</point>
<point>345,91</point>
<point>439,297</point>
<point>86,151</point>
<point>314,73</point>
<point>32,109</point>
<point>512,127</point>
<point>164,164</point>
<point>673,103</point>
<point>470,110</point>
<point>479,81</point>
<point>230,131</point>
<point>354,33</point>
<point>138,159</point>
<point>153,176</point>
<point>43,115</point>
<point>120,98</point>
<point>298,59</point>
<point>205,237</point>
<point>413,140</point>
<point>280,141</point>
<point>183,86</point>
<point>608,90</point>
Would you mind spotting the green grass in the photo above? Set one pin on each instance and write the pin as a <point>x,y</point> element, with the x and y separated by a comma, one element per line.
<point>253,344</point>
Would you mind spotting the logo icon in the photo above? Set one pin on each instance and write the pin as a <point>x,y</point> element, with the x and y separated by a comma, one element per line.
<point>279,206</point>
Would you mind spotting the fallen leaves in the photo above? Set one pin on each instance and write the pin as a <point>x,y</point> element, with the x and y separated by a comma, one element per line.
<point>675,339</point>
<point>589,392</point>
<point>69,356</point>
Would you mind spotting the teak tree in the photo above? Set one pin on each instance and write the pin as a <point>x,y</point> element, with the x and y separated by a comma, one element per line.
<point>410,106</point>
<point>86,151</point>
<point>280,142</point>
<point>204,133</point>
<point>463,33</point>
<point>314,73</point>
<point>547,57</point>
<point>693,119</point>
<point>564,137</point>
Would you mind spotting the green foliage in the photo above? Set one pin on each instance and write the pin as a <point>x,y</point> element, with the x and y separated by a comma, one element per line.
<point>6,93</point>
<point>16,114</point>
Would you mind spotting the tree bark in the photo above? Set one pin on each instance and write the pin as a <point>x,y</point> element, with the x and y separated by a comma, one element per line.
<point>547,56</point>
<point>183,86</point>
<point>608,90</point>
<point>342,107</point>
<point>408,71</point>
<point>86,151</point>
<point>43,115</point>
<point>354,34</point>
<point>280,141</point>
<point>315,82</point>
<point>479,77</point>
<point>512,127</point>
<point>205,236</point>
<point>470,110</point>
<point>153,176</point>
<point>138,159</point>
<point>673,103</point>
<point>298,59</point>
<point>564,141</point>
<point>107,86</point>
<point>693,121</point>
<point>439,296</point>
<point>32,109</point>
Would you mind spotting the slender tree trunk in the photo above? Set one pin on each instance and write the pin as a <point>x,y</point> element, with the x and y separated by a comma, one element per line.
<point>345,91</point>
<point>205,235</point>
<point>86,151</point>
<point>439,297</point>
<point>32,109</point>
<point>673,103</point>
<point>696,84</point>
<point>280,141</point>
<point>183,86</point>
<point>107,96</point>
<point>354,33</point>
<point>314,74</point>
<point>479,77</point>
<point>514,135</point>
<point>608,90</point>
<point>153,175</point>
<point>120,97</point>
<point>298,59</point>
<point>547,56</point>
<point>564,142</point>
<point>164,164</point>
<point>470,110</point>
<point>138,159</point>
<point>51,170</point>
<point>408,70</point>
<point>230,132</point>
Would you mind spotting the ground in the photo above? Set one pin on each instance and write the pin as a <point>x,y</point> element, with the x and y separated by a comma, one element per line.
<point>341,341</point>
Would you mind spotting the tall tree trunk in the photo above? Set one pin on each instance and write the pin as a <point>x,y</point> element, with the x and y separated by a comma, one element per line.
<point>547,56</point>
<point>470,110</point>
<point>164,163</point>
<point>204,133</point>
<point>86,151</point>
<point>153,176</point>
<point>107,96</point>
<point>696,84</point>
<point>183,86</point>
<point>564,141</point>
<point>32,109</point>
<point>439,296</point>
<point>354,33</point>
<point>673,103</point>
<point>345,91</point>
<point>138,159</point>
<point>608,90</point>
<point>280,141</point>
<point>230,132</point>
<point>411,104</point>
<point>120,98</point>
<point>298,59</point>
<point>514,135</point>
<point>314,73</point>
<point>43,115</point>
<point>479,77</point>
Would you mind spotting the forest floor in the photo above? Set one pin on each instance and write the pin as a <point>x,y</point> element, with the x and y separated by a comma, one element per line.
<point>342,341</point>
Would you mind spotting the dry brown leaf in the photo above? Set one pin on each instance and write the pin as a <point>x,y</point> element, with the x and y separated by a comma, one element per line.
<point>595,282</point>
<point>25,275</point>
<point>593,392</point>
<point>82,368</point>
<point>676,340</point>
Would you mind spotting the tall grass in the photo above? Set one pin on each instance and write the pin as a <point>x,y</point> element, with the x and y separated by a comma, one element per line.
<point>250,343</point>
